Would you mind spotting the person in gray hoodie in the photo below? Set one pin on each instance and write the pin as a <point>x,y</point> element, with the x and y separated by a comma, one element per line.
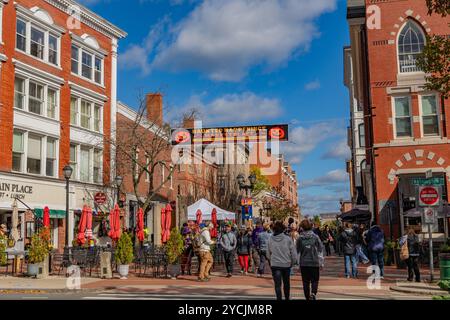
<point>261,246</point>
<point>310,250</point>
<point>228,242</point>
<point>282,256</point>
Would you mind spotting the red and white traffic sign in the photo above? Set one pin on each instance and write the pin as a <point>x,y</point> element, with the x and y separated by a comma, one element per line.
<point>429,196</point>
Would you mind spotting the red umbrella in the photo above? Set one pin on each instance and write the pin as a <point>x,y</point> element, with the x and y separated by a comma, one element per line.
<point>140,225</point>
<point>214,221</point>
<point>163,225</point>
<point>81,238</point>
<point>168,221</point>
<point>89,223</point>
<point>46,217</point>
<point>114,222</point>
<point>199,216</point>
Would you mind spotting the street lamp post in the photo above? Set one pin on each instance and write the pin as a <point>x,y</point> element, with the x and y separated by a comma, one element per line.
<point>247,187</point>
<point>67,171</point>
<point>119,181</point>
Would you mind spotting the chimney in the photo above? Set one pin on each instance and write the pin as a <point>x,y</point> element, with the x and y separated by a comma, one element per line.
<point>154,103</point>
<point>189,123</point>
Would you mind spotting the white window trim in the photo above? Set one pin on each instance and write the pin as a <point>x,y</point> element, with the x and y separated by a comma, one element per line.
<point>92,103</point>
<point>438,114</point>
<point>46,29</point>
<point>93,53</point>
<point>46,86</point>
<point>43,153</point>
<point>77,172</point>
<point>1,22</point>
<point>398,53</point>
<point>394,122</point>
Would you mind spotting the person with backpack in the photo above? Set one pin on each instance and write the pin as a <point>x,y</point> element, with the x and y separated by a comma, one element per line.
<point>375,245</point>
<point>348,238</point>
<point>410,241</point>
<point>244,248</point>
<point>255,254</point>
<point>282,255</point>
<point>261,245</point>
<point>188,250</point>
<point>203,244</point>
<point>360,243</point>
<point>310,251</point>
<point>228,242</point>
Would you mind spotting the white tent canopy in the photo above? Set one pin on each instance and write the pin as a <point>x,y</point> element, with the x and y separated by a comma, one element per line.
<point>206,208</point>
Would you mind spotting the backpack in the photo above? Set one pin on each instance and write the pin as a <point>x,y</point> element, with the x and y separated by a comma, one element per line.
<point>197,243</point>
<point>310,249</point>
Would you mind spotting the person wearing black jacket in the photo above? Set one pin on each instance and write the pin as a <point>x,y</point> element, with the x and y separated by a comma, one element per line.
<point>414,254</point>
<point>349,240</point>
<point>244,247</point>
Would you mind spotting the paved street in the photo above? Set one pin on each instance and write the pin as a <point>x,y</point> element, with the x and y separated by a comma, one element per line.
<point>333,286</point>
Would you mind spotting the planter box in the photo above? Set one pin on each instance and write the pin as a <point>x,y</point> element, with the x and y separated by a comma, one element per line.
<point>39,270</point>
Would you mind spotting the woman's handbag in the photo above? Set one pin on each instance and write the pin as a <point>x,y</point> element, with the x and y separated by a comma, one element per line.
<point>404,251</point>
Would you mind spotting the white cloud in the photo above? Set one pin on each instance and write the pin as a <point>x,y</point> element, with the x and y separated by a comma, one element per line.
<point>331,177</point>
<point>303,140</point>
<point>224,39</point>
<point>311,204</point>
<point>338,150</point>
<point>229,108</point>
<point>313,85</point>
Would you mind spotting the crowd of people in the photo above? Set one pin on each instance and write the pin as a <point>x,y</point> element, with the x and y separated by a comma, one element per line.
<point>284,246</point>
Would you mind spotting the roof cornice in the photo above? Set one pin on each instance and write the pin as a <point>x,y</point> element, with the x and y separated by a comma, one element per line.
<point>90,18</point>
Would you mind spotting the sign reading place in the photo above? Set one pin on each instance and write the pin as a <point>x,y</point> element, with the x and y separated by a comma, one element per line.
<point>14,191</point>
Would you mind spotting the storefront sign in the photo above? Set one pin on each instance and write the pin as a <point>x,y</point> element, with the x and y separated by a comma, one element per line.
<point>230,134</point>
<point>437,181</point>
<point>429,196</point>
<point>246,202</point>
<point>100,198</point>
<point>14,191</point>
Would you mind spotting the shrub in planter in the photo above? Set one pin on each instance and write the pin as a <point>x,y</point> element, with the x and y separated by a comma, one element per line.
<point>37,255</point>
<point>174,249</point>
<point>124,254</point>
<point>389,248</point>
<point>3,256</point>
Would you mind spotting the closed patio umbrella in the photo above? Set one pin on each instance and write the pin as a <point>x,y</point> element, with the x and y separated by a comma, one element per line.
<point>163,225</point>
<point>168,221</point>
<point>140,225</point>
<point>89,223</point>
<point>214,222</point>
<point>114,221</point>
<point>199,216</point>
<point>81,237</point>
<point>15,221</point>
<point>46,217</point>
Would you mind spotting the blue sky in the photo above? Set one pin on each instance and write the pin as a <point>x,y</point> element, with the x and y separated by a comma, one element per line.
<point>247,62</point>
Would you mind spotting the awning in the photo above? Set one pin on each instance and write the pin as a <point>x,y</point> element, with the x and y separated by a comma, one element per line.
<point>206,208</point>
<point>54,214</point>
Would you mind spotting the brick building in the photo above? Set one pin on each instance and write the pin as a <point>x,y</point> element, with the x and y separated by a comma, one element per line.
<point>58,88</point>
<point>406,127</point>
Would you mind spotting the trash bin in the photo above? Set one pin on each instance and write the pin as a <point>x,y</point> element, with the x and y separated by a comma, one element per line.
<point>444,265</point>
<point>105,265</point>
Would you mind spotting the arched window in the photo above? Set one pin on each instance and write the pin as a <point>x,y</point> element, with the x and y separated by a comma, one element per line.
<point>410,44</point>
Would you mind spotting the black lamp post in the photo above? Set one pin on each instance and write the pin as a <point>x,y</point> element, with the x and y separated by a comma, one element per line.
<point>67,171</point>
<point>119,181</point>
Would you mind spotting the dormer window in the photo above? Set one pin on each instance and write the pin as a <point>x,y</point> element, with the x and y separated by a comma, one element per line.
<point>411,42</point>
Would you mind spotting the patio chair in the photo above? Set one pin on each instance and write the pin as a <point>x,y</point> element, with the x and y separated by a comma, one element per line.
<point>79,258</point>
<point>93,260</point>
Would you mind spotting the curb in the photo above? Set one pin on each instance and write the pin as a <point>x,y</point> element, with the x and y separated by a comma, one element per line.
<point>427,292</point>
<point>43,291</point>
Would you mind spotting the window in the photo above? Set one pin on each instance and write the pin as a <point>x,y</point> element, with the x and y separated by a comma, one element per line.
<point>36,98</point>
<point>75,59</point>
<point>51,158</point>
<point>430,117</point>
<point>86,66</point>
<point>73,111</point>
<point>52,49</point>
<point>51,103</point>
<point>85,160</point>
<point>97,117</point>
<point>37,43</point>
<point>19,93</point>
<point>98,70</point>
<point>34,155</point>
<point>21,35</point>
<point>97,166</point>
<point>362,136</point>
<point>18,151</point>
<point>85,115</point>
<point>410,44</point>
<point>73,160</point>
<point>402,117</point>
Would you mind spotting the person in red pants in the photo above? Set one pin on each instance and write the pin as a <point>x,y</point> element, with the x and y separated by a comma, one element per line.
<point>244,246</point>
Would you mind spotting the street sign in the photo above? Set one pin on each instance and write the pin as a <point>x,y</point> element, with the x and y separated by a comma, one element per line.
<point>100,198</point>
<point>429,196</point>
<point>429,216</point>
<point>436,181</point>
